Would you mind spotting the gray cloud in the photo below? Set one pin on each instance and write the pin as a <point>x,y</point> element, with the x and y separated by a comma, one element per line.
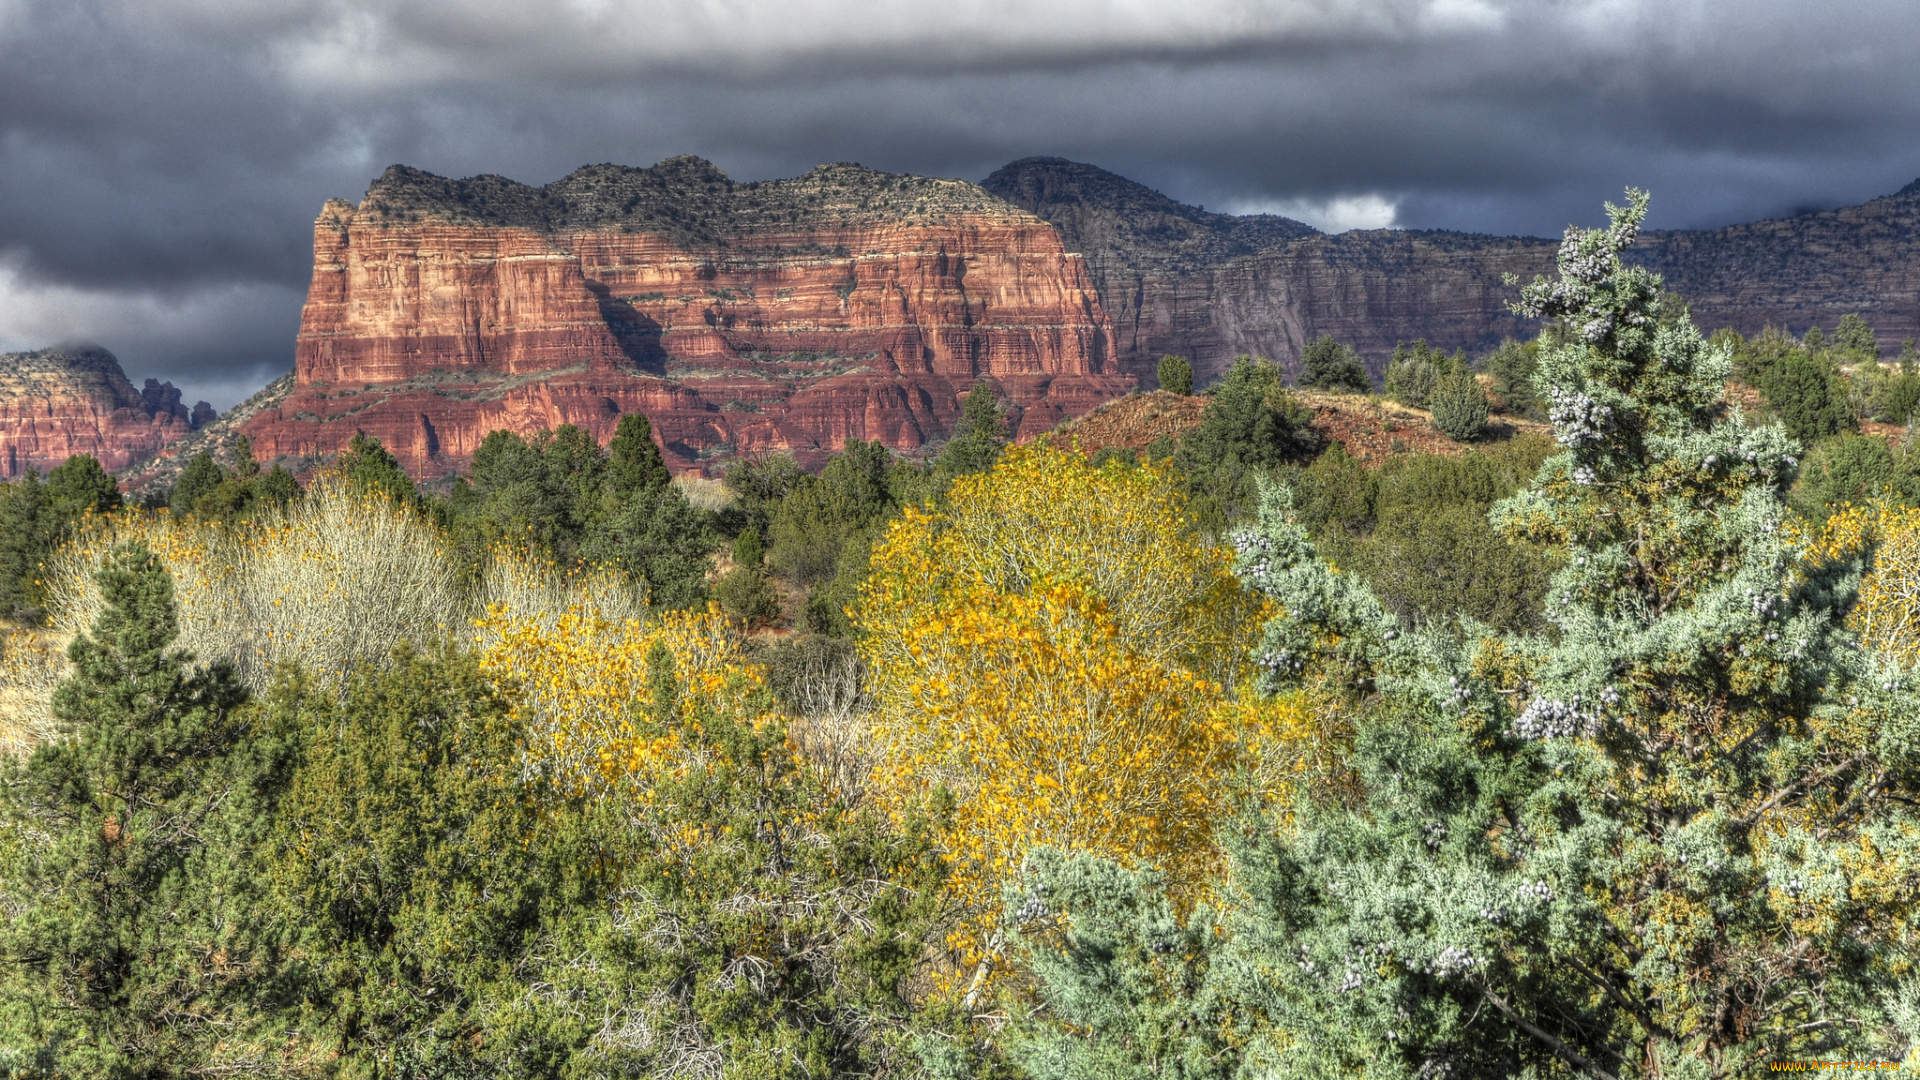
<point>161,160</point>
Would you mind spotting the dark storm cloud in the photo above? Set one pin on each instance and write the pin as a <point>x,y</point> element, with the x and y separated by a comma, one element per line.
<point>161,161</point>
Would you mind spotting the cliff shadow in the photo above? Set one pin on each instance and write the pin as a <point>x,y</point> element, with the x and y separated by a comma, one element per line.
<point>637,335</point>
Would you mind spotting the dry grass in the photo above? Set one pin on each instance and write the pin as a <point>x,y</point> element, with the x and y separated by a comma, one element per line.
<point>703,493</point>
<point>329,586</point>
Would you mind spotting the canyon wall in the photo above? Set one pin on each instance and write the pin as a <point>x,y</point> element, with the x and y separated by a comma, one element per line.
<point>1177,279</point>
<point>58,402</point>
<point>790,315</point>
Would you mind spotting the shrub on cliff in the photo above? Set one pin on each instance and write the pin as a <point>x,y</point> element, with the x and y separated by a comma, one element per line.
<point>1326,364</point>
<point>1176,375</point>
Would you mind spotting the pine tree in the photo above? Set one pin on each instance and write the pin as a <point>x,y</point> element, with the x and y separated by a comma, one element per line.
<point>1676,840</point>
<point>1252,425</point>
<point>199,479</point>
<point>128,934</point>
<point>979,436</point>
<point>634,463</point>
<point>1853,335</point>
<point>79,486</point>
<point>368,466</point>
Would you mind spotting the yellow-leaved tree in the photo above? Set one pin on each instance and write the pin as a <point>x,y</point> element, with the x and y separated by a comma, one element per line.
<point>1058,650</point>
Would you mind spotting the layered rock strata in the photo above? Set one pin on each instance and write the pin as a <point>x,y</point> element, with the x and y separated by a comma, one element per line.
<point>791,315</point>
<point>1176,279</point>
<point>58,402</point>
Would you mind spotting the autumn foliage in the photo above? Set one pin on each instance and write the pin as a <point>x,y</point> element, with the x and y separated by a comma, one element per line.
<point>1056,650</point>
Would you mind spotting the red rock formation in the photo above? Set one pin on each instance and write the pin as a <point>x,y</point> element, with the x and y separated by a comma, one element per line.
<point>788,316</point>
<point>55,403</point>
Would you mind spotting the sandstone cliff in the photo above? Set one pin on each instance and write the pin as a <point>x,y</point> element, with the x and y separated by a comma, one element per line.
<point>58,402</point>
<point>1175,279</point>
<point>787,315</point>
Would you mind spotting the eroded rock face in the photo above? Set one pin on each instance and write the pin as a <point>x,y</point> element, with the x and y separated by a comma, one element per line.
<point>58,402</point>
<point>1176,279</point>
<point>784,316</point>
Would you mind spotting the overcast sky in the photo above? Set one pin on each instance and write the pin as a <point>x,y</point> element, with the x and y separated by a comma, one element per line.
<point>161,161</point>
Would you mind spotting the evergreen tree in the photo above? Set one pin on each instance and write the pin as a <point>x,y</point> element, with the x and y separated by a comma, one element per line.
<point>410,864</point>
<point>979,436</point>
<point>1459,405</point>
<point>659,540</point>
<point>758,485</point>
<point>25,530</point>
<point>1328,365</point>
<point>633,461</point>
<point>126,934</point>
<point>1176,375</point>
<point>1252,425</point>
<point>79,486</point>
<point>1657,845</point>
<point>1854,336</point>
<point>1512,366</point>
<point>1414,369</point>
<point>1802,385</point>
<point>368,466</point>
<point>199,479</point>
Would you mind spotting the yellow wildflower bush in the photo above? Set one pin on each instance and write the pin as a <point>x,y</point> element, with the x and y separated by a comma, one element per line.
<point>1887,612</point>
<point>1058,650</point>
<point>580,682</point>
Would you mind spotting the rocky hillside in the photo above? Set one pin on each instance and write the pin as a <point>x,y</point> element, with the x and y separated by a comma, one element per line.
<point>1175,279</point>
<point>58,402</point>
<point>790,315</point>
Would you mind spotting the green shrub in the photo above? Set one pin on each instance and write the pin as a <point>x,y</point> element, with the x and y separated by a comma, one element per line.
<point>197,481</point>
<point>747,598</point>
<point>1459,405</point>
<point>1801,384</point>
<point>1326,364</point>
<point>747,550</point>
<point>1176,375</point>
<point>411,868</point>
<point>1857,469</point>
<point>1251,425</point>
<point>978,436</point>
<point>1512,367</point>
<point>1414,369</point>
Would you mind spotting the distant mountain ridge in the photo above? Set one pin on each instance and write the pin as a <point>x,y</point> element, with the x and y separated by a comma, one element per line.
<point>793,315</point>
<point>1177,279</point>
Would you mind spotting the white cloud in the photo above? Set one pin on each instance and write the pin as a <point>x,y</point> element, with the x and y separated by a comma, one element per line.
<point>1334,215</point>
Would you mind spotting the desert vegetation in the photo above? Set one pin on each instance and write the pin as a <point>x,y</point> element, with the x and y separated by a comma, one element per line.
<point>1221,754</point>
